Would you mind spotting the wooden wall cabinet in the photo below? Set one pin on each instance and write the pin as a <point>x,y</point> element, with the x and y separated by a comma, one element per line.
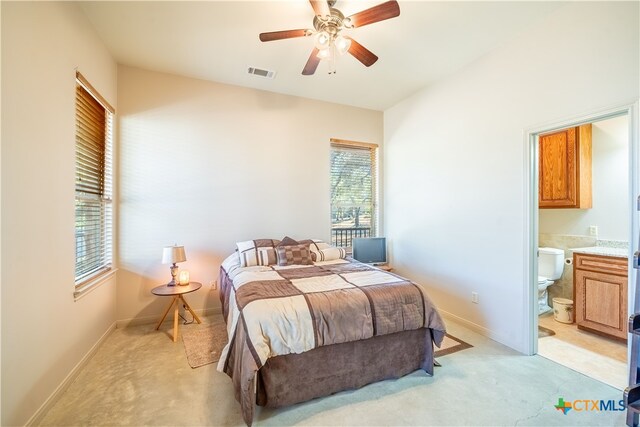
<point>565,169</point>
<point>600,294</point>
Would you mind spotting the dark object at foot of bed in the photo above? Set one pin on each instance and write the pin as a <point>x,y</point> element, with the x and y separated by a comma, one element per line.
<point>294,378</point>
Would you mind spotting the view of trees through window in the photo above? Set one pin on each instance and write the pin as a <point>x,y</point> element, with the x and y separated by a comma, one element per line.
<point>352,194</point>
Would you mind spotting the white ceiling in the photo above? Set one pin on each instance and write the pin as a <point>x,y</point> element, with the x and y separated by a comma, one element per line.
<point>218,40</point>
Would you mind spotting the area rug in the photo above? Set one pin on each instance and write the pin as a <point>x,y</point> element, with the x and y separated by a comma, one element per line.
<point>544,332</point>
<point>451,344</point>
<point>203,343</point>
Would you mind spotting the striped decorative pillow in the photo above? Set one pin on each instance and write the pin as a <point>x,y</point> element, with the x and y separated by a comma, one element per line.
<point>329,254</point>
<point>316,246</point>
<point>257,252</point>
<point>294,255</point>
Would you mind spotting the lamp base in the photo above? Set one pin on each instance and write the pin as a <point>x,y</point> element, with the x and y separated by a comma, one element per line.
<point>174,271</point>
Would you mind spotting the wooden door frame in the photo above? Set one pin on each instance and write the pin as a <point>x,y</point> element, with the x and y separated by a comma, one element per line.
<point>530,273</point>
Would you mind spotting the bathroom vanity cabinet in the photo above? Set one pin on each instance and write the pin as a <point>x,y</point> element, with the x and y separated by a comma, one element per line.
<point>600,294</point>
<point>565,169</point>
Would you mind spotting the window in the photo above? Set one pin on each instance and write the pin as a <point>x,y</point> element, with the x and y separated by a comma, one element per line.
<point>94,222</point>
<point>353,191</point>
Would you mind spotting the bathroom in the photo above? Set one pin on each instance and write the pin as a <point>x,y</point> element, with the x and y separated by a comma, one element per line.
<point>583,241</point>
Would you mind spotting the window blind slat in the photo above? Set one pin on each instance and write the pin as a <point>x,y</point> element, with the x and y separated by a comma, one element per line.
<point>89,139</point>
<point>89,172</point>
<point>89,105</point>
<point>87,142</point>
<point>93,119</point>
<point>89,102</point>
<point>89,158</point>
<point>92,126</point>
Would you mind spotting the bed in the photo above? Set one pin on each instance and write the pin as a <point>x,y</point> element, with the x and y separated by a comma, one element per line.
<point>310,329</point>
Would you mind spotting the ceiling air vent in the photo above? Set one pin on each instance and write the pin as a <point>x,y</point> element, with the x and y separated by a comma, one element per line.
<point>262,73</point>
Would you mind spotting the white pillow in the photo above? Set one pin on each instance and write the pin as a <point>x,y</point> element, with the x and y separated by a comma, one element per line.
<point>329,254</point>
<point>316,246</point>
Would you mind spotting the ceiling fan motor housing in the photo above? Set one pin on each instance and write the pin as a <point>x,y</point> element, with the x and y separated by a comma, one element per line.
<point>330,24</point>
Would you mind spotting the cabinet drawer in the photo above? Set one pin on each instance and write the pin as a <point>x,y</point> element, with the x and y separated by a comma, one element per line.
<point>604,264</point>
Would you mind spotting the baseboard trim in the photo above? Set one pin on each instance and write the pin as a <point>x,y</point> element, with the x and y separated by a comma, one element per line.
<point>474,327</point>
<point>145,320</point>
<point>37,417</point>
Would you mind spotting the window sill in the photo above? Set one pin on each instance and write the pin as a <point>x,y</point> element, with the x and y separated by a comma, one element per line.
<point>95,283</point>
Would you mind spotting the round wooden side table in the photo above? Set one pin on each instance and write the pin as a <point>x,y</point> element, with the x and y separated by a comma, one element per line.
<point>176,292</point>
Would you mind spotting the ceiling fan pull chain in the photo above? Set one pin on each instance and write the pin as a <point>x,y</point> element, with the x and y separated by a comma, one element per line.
<point>332,59</point>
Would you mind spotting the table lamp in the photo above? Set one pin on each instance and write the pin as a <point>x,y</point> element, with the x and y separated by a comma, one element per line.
<point>172,255</point>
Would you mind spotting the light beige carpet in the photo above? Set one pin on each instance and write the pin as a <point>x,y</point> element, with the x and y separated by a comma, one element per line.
<point>204,343</point>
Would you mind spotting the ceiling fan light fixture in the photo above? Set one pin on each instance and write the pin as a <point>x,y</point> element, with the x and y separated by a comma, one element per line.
<point>342,44</point>
<point>323,40</point>
<point>328,22</point>
<point>324,53</point>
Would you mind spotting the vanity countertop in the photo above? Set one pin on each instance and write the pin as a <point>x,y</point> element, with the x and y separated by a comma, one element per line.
<point>603,251</point>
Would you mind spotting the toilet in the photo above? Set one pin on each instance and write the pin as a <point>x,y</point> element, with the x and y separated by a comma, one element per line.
<point>550,268</point>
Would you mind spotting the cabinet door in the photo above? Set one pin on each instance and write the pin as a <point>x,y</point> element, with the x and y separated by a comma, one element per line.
<point>565,169</point>
<point>557,185</point>
<point>601,302</point>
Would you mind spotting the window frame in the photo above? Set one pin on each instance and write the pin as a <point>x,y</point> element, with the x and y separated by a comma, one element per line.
<point>375,209</point>
<point>103,199</point>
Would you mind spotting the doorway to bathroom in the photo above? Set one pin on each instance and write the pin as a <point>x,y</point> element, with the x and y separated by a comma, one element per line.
<point>583,224</point>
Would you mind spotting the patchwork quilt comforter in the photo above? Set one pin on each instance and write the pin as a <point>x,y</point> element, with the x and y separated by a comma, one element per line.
<point>272,311</point>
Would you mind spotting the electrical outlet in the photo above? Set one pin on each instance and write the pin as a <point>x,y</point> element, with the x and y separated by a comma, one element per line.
<point>213,284</point>
<point>593,230</point>
<point>474,298</point>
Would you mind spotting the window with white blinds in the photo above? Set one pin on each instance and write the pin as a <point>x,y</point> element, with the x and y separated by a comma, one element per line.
<point>353,191</point>
<point>94,183</point>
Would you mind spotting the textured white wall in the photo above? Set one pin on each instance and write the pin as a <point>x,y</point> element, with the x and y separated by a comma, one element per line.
<point>206,165</point>
<point>610,167</point>
<point>454,156</point>
<point>44,332</point>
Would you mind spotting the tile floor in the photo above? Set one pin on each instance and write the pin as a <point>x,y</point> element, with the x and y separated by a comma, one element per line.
<point>599,357</point>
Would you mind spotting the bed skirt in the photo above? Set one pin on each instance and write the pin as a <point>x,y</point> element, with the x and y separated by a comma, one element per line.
<point>294,378</point>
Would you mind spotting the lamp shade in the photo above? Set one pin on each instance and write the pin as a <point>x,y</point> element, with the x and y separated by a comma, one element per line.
<point>173,254</point>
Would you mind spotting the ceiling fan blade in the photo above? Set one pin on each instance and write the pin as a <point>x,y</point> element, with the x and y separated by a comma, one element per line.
<point>361,53</point>
<point>320,7</point>
<point>312,63</point>
<point>378,13</point>
<point>279,35</point>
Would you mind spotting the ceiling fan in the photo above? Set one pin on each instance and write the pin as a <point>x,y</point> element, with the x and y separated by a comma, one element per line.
<point>327,24</point>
